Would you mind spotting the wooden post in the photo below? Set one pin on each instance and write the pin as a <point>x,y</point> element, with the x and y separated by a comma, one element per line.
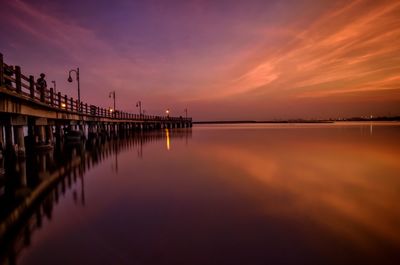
<point>66,102</point>
<point>72,104</point>
<point>9,141</point>
<point>32,86</point>
<point>19,140</point>
<point>18,79</point>
<point>1,70</point>
<point>59,100</point>
<point>78,107</point>
<point>51,96</point>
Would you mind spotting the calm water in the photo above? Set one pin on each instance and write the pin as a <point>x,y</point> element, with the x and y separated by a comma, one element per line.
<point>226,194</point>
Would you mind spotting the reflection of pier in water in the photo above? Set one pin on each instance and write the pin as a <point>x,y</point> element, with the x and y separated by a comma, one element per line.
<point>30,187</point>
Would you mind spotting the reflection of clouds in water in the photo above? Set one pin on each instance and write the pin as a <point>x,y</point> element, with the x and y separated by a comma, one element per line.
<point>350,190</point>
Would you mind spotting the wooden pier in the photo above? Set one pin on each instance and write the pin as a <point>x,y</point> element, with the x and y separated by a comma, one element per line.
<point>48,115</point>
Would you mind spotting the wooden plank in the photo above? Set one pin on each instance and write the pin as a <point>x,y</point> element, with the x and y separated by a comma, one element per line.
<point>24,78</point>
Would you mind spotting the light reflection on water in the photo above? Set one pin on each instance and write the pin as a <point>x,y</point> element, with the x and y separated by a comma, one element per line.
<point>223,194</point>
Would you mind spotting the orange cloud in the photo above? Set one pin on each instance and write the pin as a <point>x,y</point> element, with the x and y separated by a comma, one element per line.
<point>351,49</point>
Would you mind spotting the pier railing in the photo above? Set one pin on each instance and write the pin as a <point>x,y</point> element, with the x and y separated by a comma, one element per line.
<point>13,80</point>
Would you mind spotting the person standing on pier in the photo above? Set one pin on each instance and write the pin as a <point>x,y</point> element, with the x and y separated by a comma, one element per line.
<point>41,86</point>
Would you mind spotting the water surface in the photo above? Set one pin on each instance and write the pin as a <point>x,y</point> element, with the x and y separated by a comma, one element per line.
<point>223,194</point>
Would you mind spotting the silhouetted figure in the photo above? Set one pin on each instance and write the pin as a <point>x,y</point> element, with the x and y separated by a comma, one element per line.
<point>8,71</point>
<point>41,86</point>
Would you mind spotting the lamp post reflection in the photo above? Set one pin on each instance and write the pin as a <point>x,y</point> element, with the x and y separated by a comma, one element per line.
<point>168,139</point>
<point>82,190</point>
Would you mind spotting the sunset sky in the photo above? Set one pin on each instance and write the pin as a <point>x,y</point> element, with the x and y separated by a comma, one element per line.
<point>230,59</point>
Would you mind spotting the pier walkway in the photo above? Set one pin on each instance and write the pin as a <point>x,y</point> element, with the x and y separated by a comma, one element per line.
<point>48,115</point>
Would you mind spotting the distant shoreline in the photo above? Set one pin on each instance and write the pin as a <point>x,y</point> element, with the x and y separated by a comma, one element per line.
<point>395,119</point>
<point>240,122</point>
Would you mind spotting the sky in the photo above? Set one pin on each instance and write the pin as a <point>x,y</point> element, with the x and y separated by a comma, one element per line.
<point>220,59</point>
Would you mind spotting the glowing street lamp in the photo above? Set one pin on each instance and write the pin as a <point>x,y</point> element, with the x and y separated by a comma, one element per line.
<point>167,112</point>
<point>79,87</point>
<point>63,105</point>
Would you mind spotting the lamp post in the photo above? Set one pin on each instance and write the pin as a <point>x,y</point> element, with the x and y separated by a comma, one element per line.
<point>167,112</point>
<point>113,96</point>
<point>185,113</point>
<point>54,85</point>
<point>79,88</point>
<point>139,105</point>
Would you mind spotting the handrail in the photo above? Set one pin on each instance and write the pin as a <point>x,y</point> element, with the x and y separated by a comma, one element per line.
<point>15,81</point>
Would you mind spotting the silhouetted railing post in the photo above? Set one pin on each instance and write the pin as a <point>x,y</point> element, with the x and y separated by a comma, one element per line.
<point>32,86</point>
<point>77,104</point>
<point>59,100</point>
<point>66,102</point>
<point>18,86</point>
<point>1,70</point>
<point>51,96</point>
